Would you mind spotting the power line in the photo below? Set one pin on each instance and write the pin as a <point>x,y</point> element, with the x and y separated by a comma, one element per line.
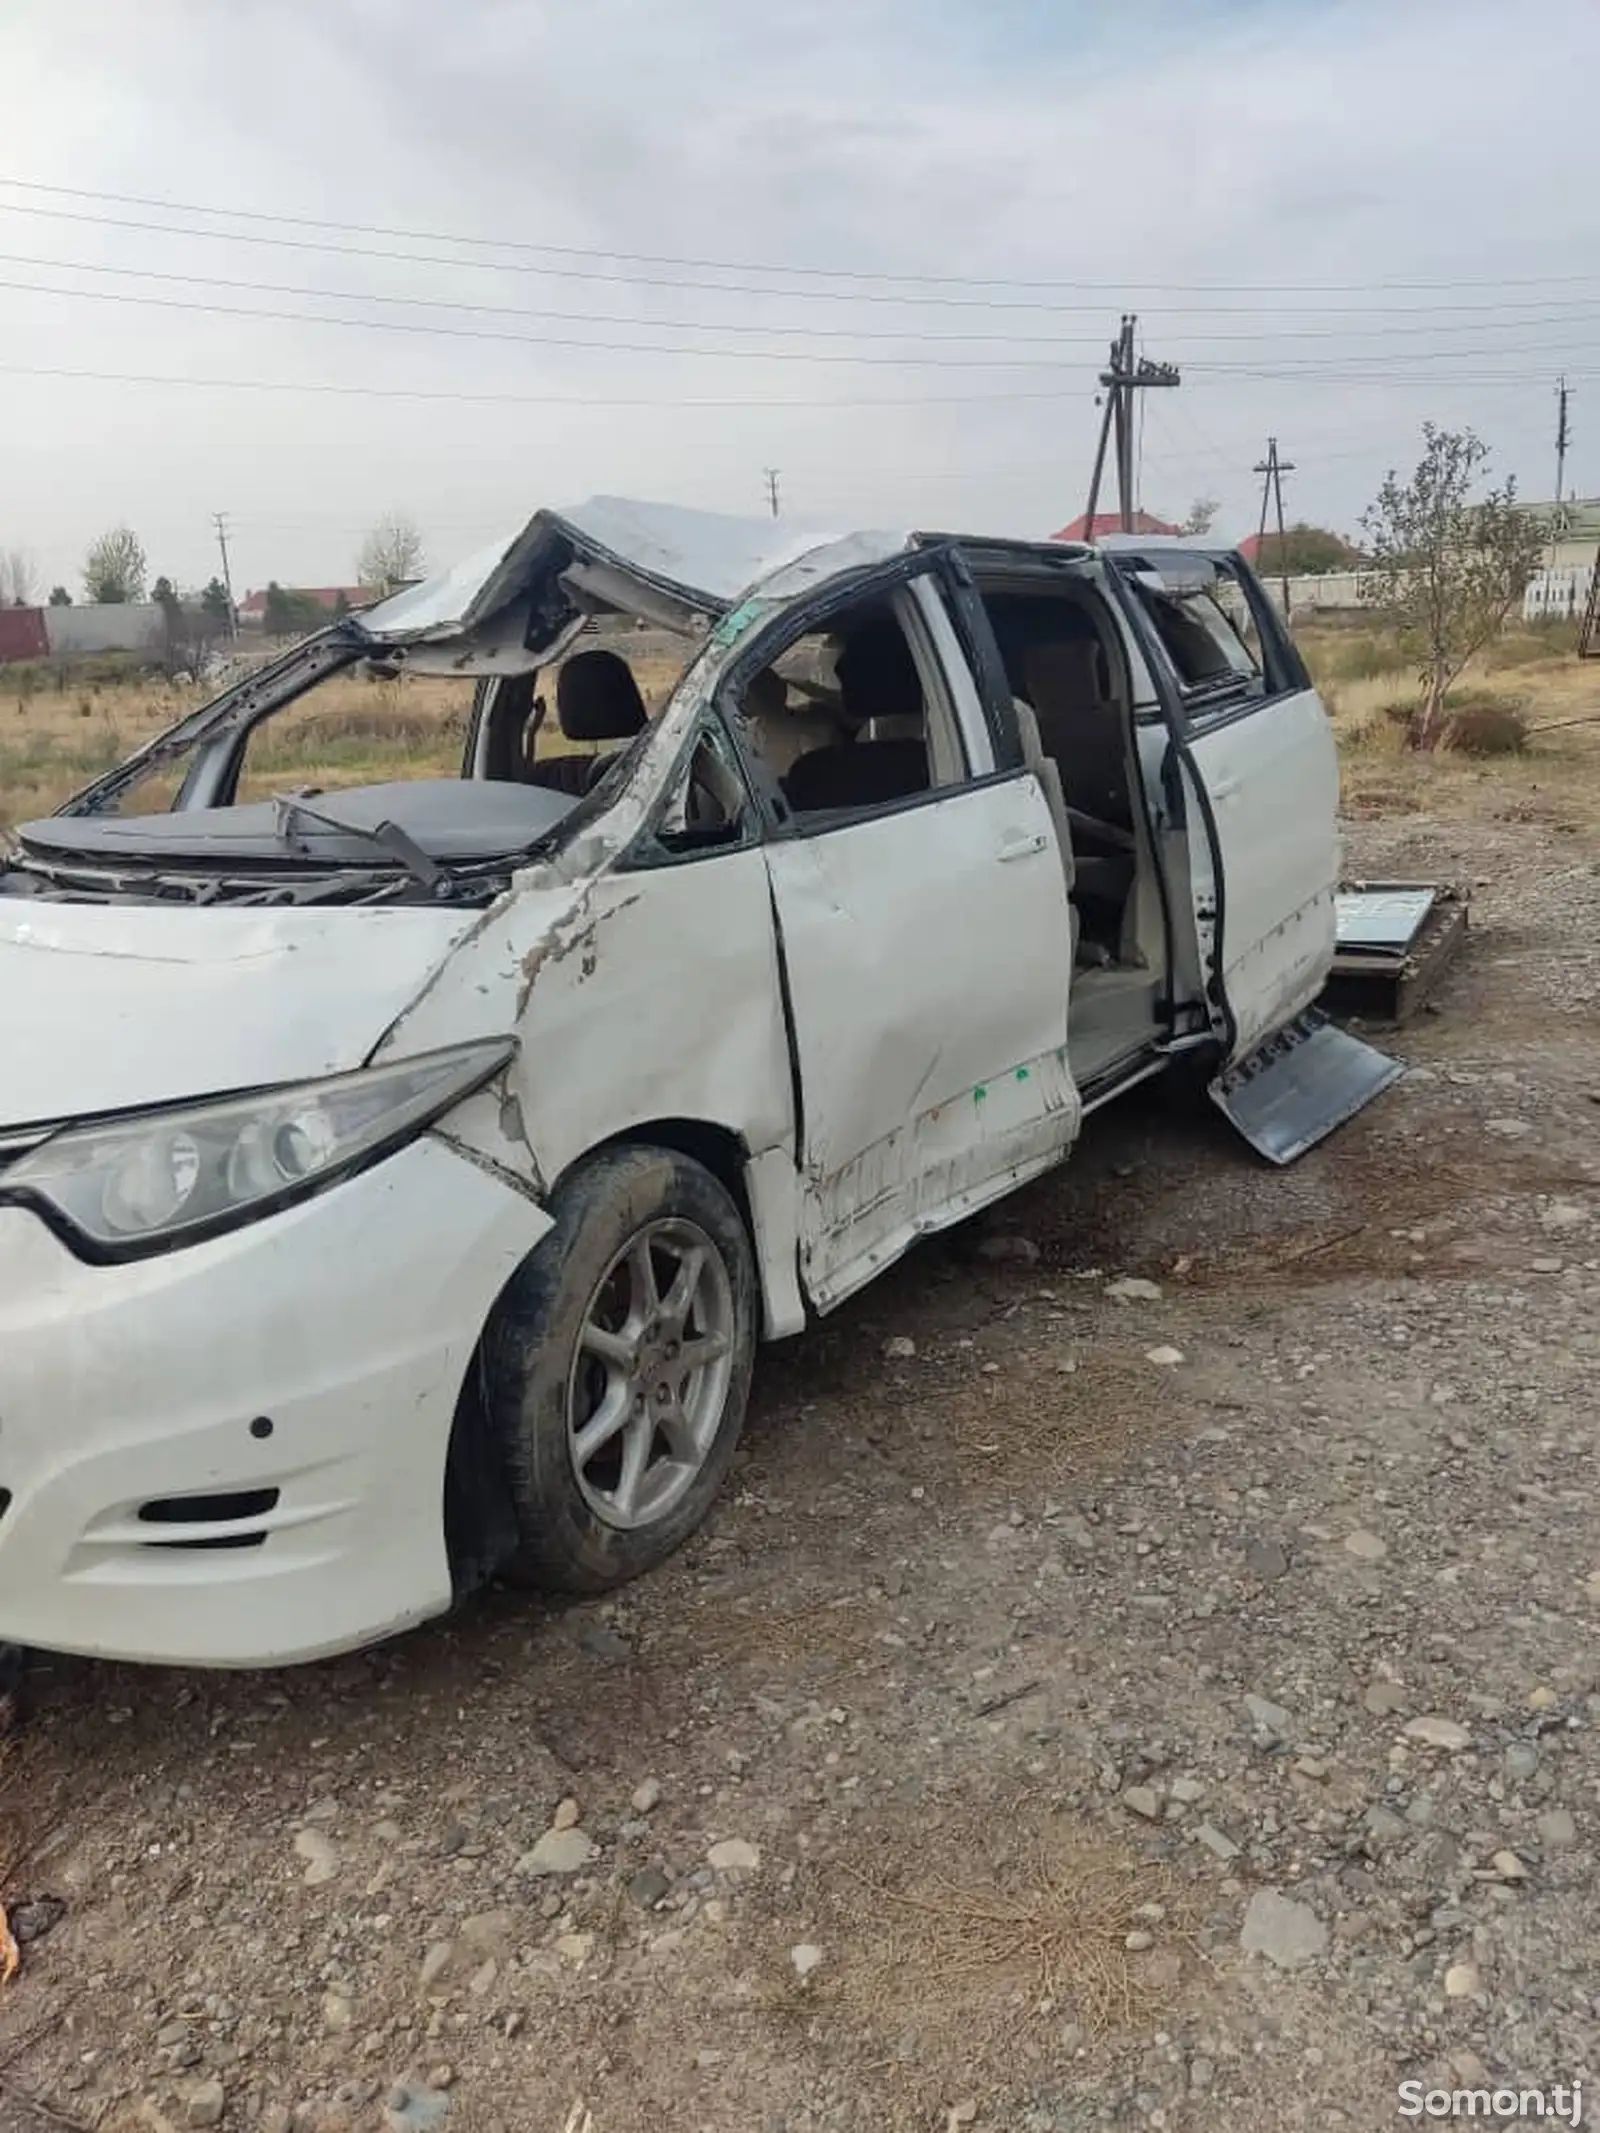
<point>510,399</point>
<point>277,316</point>
<point>852,295</point>
<point>1331,369</point>
<point>724,266</point>
<point>1589,314</point>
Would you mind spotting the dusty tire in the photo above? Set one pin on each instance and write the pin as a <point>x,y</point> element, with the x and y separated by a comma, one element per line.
<point>549,1396</point>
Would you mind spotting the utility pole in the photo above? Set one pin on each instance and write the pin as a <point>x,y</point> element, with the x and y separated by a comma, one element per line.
<point>771,474</point>
<point>1128,375</point>
<point>1272,469</point>
<point>220,520</point>
<point>1558,517</point>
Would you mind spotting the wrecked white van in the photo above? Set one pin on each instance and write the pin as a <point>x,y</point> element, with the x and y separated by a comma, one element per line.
<point>395,1182</point>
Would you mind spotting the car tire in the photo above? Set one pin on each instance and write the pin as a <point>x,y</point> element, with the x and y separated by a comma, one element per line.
<point>616,1421</point>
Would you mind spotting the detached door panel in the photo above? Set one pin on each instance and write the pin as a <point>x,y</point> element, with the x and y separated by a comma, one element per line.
<point>928,954</point>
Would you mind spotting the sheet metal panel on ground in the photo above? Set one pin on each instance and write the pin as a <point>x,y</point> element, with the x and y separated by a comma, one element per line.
<point>1395,941</point>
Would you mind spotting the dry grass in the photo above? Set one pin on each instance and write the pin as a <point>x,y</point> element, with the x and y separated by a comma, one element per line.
<point>353,730</point>
<point>966,1945</point>
<point>357,730</point>
<point>834,1634</point>
<point>1554,774</point>
<point>1047,1932</point>
<point>1057,1424</point>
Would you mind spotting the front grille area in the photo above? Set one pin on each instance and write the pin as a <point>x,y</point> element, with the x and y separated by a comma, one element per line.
<point>175,1512</point>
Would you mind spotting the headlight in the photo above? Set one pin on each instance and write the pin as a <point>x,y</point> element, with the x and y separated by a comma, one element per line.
<point>150,1182</point>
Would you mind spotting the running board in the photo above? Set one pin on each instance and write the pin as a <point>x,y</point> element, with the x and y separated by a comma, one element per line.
<point>1303,1082</point>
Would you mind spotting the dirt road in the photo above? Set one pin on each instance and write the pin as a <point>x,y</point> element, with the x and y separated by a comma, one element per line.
<point>1046,1735</point>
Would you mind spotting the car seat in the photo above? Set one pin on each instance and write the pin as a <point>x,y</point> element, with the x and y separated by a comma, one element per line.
<point>597,699</point>
<point>878,680</point>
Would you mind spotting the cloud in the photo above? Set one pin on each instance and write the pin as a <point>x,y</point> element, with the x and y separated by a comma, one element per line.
<point>1248,176</point>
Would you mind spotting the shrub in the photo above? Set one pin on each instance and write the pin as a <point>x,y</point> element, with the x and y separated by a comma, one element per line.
<point>1486,725</point>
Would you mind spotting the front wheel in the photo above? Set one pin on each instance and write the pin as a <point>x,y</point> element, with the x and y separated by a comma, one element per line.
<point>618,1368</point>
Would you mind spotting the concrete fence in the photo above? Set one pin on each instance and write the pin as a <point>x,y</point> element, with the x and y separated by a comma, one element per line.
<point>81,632</point>
<point>1556,595</point>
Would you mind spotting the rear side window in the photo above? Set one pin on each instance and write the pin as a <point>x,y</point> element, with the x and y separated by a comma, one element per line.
<point>1207,632</point>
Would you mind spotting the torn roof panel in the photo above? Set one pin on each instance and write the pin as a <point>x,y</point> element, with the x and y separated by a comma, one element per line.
<point>703,557</point>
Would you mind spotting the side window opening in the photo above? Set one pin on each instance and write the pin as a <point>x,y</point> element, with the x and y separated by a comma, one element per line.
<point>1207,631</point>
<point>707,808</point>
<point>564,727</point>
<point>855,715</point>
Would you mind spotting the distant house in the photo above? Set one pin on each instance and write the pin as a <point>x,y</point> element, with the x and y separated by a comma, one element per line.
<point>1572,530</point>
<point>253,607</point>
<point>1110,522</point>
<point>1560,588</point>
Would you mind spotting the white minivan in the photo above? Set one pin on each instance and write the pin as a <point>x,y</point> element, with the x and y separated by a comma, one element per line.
<point>396,1180</point>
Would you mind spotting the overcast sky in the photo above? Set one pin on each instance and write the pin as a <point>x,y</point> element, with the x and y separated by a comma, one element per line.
<point>1338,216</point>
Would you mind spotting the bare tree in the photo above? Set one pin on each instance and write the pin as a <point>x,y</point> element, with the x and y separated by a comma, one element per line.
<point>1202,516</point>
<point>1447,569</point>
<point>19,578</point>
<point>115,569</point>
<point>392,554</point>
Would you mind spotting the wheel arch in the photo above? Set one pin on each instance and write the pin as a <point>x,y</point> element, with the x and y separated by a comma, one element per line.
<point>479,1529</point>
<point>764,1188</point>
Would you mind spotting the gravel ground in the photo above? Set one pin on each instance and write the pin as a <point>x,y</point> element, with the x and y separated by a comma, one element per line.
<point>1143,1673</point>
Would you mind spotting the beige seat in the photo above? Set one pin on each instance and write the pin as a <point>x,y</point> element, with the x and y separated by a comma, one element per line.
<point>1080,728</point>
<point>782,734</point>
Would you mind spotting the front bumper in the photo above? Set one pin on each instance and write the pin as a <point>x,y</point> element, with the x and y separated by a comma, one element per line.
<point>347,1323</point>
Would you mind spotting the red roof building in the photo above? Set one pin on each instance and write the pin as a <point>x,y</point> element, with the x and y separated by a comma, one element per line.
<point>1110,522</point>
<point>1250,548</point>
<point>254,604</point>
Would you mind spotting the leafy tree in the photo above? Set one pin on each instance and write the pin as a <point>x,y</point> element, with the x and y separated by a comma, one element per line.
<point>59,596</point>
<point>275,612</point>
<point>1304,550</point>
<point>114,570</point>
<point>1447,569</point>
<point>185,628</point>
<point>216,606</point>
<point>291,613</point>
<point>392,554</point>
